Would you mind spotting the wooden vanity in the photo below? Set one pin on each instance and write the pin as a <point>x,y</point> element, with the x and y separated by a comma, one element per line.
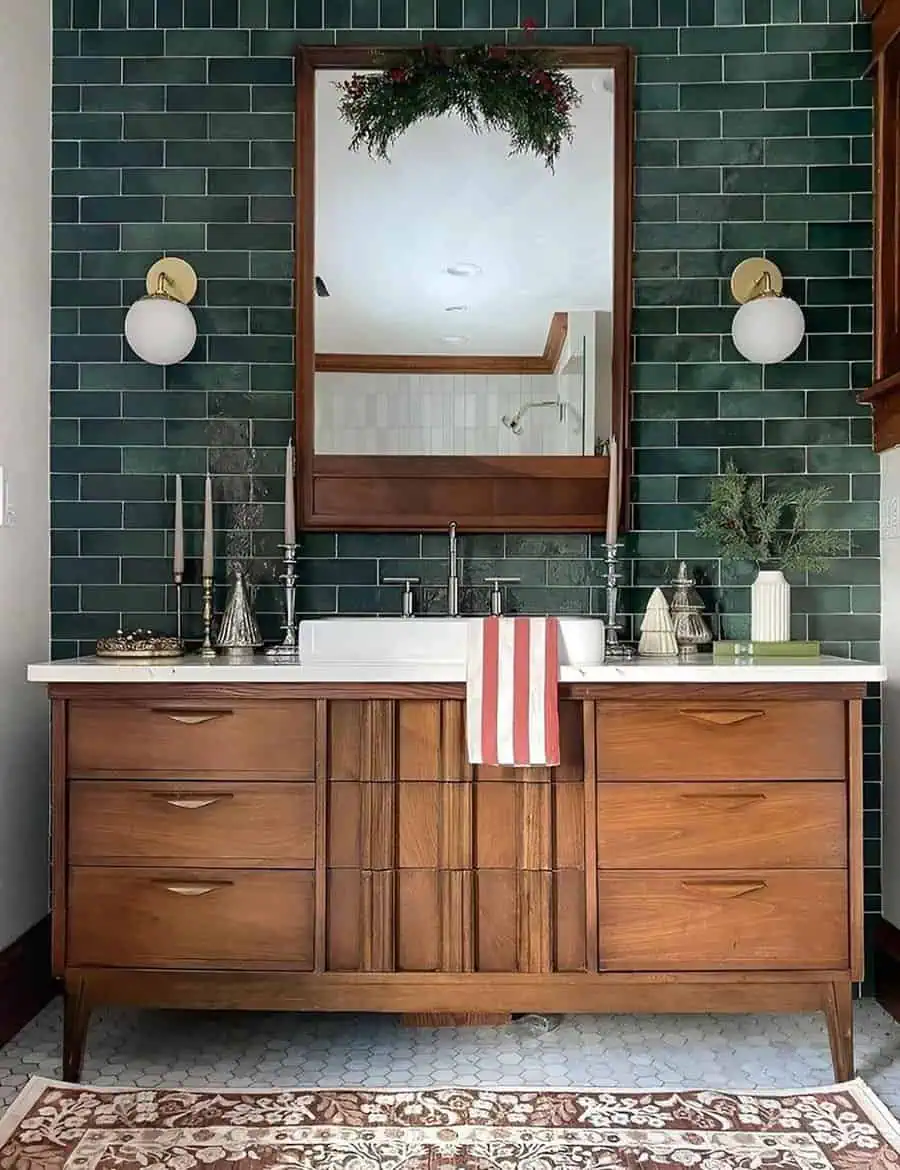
<point>325,846</point>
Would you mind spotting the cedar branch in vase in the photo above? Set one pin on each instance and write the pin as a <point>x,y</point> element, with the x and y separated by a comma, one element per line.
<point>770,530</point>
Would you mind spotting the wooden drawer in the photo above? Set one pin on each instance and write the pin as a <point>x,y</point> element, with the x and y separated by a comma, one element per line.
<point>240,740</point>
<point>721,826</point>
<point>722,741</point>
<point>195,824</point>
<point>695,921</point>
<point>162,918</point>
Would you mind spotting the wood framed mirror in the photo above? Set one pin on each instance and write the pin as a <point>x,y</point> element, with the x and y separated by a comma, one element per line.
<point>463,315</point>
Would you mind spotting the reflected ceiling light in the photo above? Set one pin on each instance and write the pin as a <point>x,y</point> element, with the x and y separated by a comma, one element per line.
<point>463,268</point>
<point>455,339</point>
<point>160,327</point>
<point>767,327</point>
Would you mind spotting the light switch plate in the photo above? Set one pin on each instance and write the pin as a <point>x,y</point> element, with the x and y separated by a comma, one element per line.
<point>890,518</point>
<point>7,515</point>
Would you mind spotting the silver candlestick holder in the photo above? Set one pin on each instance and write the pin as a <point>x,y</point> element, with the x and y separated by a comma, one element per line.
<point>614,648</point>
<point>288,647</point>
<point>207,650</point>
<point>179,582</point>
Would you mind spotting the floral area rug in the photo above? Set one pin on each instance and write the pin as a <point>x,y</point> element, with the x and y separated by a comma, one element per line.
<point>68,1127</point>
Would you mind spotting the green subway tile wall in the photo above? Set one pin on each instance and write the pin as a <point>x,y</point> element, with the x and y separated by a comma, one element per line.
<point>173,132</point>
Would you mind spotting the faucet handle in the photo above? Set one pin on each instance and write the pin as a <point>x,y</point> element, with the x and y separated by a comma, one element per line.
<point>496,594</point>
<point>407,583</point>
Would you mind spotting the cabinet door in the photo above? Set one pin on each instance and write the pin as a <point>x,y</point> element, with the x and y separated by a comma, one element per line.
<point>530,920</point>
<point>434,866</point>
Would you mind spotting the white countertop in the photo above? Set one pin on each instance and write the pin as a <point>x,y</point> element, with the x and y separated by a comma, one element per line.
<point>262,670</point>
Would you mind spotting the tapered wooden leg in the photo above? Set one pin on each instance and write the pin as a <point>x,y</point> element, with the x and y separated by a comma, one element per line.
<point>76,1016</point>
<point>839,1014</point>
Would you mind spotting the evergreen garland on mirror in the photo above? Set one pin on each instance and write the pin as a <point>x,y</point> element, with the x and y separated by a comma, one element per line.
<point>491,87</point>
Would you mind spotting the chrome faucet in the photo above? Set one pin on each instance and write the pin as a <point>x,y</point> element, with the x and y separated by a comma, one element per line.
<point>453,578</point>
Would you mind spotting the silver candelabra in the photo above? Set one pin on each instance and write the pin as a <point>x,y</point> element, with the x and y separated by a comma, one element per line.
<point>288,647</point>
<point>614,648</point>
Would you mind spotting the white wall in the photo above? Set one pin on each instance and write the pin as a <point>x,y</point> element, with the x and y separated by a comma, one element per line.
<point>24,410</point>
<point>890,710</point>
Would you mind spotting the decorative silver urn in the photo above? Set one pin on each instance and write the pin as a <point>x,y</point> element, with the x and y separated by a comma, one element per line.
<point>691,630</point>
<point>239,630</point>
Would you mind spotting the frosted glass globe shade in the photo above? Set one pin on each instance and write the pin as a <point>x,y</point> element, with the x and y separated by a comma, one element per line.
<point>161,331</point>
<point>768,329</point>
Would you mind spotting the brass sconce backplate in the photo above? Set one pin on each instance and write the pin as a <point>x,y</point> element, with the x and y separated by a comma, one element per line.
<point>749,279</point>
<point>179,279</point>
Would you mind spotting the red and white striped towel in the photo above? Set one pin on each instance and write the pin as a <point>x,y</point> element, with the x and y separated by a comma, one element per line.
<point>512,686</point>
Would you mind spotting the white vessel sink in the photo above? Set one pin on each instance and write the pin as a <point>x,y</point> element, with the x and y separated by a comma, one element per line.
<point>434,640</point>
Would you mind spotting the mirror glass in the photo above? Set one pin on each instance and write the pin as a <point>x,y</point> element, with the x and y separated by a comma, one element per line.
<point>464,296</point>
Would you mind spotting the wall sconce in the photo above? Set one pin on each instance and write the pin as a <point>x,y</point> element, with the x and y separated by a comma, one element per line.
<point>767,327</point>
<point>160,327</point>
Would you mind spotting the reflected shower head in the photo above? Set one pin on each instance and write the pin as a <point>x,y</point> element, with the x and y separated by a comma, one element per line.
<point>514,422</point>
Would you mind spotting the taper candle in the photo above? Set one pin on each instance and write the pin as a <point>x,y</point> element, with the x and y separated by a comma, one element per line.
<point>290,523</point>
<point>208,530</point>
<point>612,499</point>
<point>178,551</point>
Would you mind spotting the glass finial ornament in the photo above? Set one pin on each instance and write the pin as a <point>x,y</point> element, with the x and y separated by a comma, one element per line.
<point>691,630</point>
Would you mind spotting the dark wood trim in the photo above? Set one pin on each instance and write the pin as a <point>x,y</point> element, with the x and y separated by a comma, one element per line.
<point>887,967</point>
<point>468,467</point>
<point>423,363</point>
<point>886,423</point>
<point>333,496</point>
<point>623,252</point>
<point>556,339</point>
<point>884,393</point>
<point>304,252</point>
<point>885,26</point>
<point>26,984</point>
<point>884,398</point>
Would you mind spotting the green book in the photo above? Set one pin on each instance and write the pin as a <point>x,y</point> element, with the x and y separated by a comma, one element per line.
<point>766,650</point>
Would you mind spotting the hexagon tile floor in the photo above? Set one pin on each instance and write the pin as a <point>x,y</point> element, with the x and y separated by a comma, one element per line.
<point>244,1050</point>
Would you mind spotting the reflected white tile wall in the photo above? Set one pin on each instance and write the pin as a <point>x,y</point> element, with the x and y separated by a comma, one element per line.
<point>444,414</point>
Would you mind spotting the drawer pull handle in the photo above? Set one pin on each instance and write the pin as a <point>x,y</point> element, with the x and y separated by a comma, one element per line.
<point>732,801</point>
<point>190,718</point>
<point>192,802</point>
<point>724,889</point>
<point>194,889</point>
<point>721,718</point>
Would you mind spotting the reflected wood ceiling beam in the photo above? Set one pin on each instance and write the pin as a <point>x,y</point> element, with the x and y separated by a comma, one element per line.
<point>395,363</point>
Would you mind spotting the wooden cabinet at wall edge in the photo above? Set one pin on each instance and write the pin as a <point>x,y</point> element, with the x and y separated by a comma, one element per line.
<point>884,393</point>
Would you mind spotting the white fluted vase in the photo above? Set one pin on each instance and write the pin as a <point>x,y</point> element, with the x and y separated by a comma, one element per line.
<point>770,607</point>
